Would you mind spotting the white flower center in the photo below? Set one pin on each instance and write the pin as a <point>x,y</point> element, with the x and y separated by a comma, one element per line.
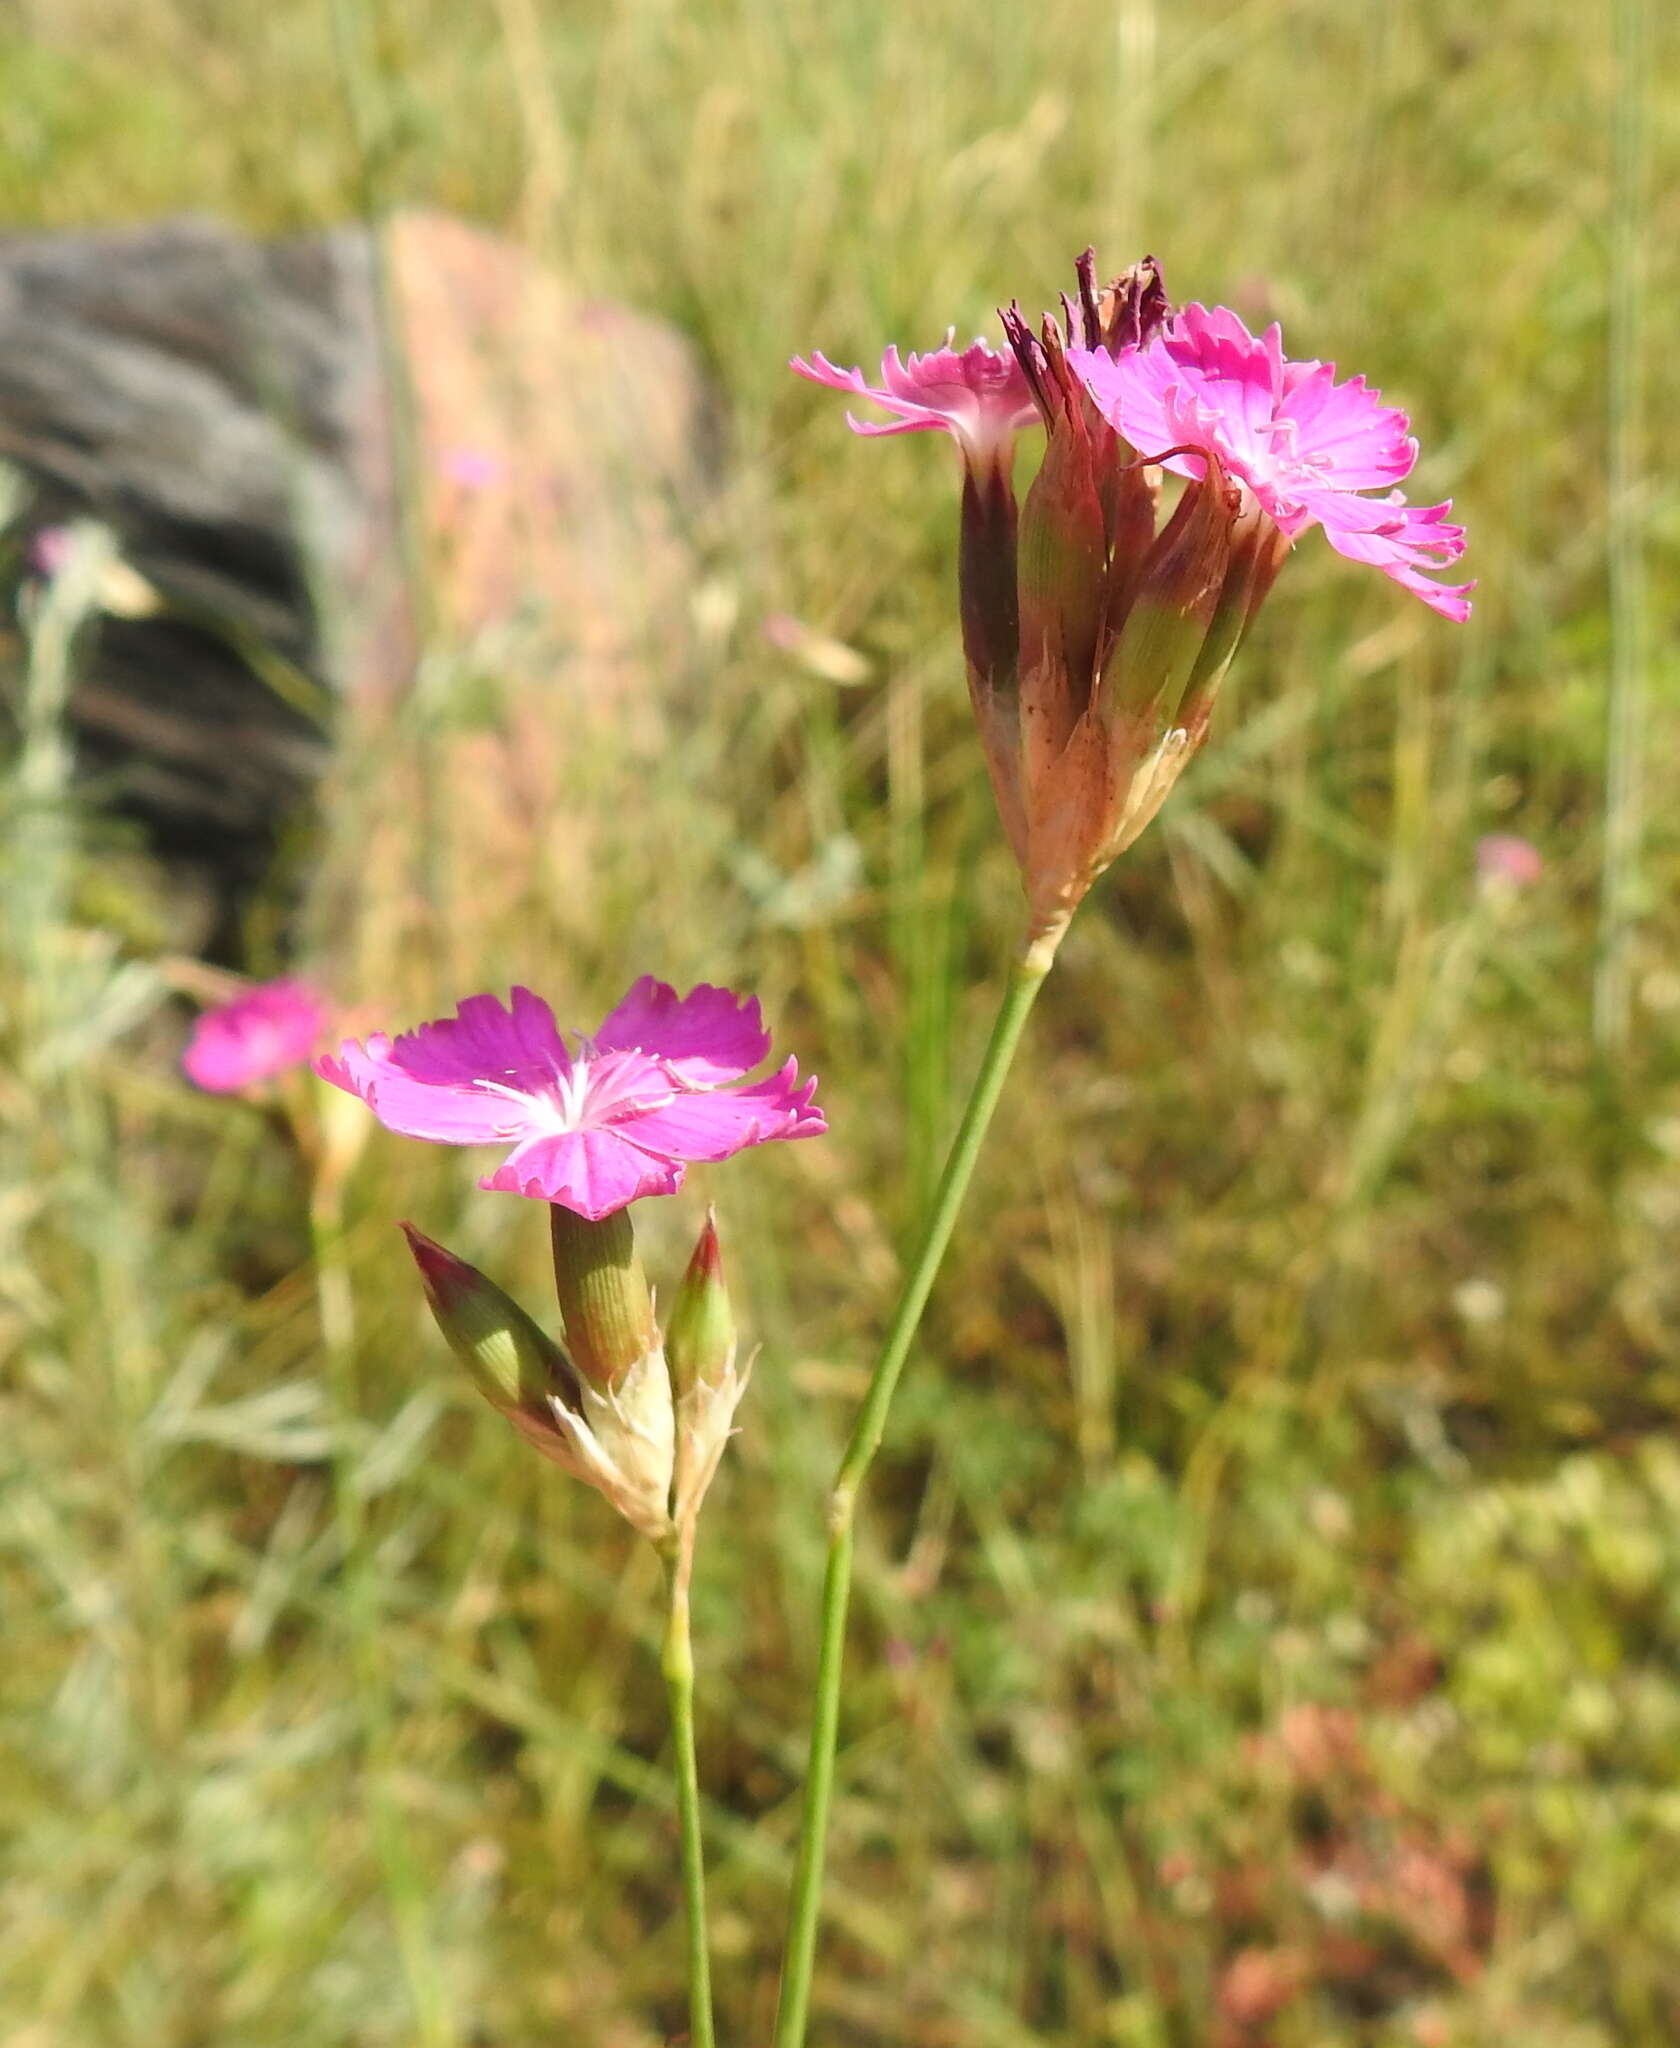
<point>1282,440</point>
<point>585,1098</point>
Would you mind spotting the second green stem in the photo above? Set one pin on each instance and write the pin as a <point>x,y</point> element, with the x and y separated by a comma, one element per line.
<point>1024,984</point>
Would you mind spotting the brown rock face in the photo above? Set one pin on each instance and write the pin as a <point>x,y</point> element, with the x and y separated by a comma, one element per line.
<point>561,443</point>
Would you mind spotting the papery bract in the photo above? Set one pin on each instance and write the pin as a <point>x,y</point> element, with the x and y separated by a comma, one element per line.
<point>1308,448</point>
<point>267,1030</point>
<point>660,1084</point>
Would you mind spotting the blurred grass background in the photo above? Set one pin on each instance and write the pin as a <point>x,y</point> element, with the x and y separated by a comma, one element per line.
<point>1268,1626</point>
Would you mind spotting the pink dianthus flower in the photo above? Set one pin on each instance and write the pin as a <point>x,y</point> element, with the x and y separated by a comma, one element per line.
<point>1308,448</point>
<point>263,1032</point>
<point>660,1084</point>
<point>981,398</point>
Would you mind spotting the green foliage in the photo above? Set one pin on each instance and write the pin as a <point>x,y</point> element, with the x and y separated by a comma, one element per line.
<point>1266,1633</point>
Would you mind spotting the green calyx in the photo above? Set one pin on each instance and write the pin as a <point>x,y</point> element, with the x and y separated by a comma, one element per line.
<point>603,1293</point>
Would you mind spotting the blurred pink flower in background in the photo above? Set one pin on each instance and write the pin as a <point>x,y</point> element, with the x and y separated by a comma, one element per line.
<point>1307,447</point>
<point>474,469</point>
<point>265,1031</point>
<point>660,1084</point>
<point>49,550</point>
<point>1503,861</point>
<point>819,654</point>
<point>979,397</point>
<point>783,630</point>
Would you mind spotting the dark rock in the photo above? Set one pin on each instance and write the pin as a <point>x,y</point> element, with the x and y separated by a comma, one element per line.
<point>224,407</point>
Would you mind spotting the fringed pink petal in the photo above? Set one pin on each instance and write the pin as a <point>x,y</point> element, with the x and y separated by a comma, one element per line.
<point>706,1037</point>
<point>1405,549</point>
<point>592,1173</point>
<point>1306,446</point>
<point>977,395</point>
<point>443,1112</point>
<point>518,1045</point>
<point>718,1124</point>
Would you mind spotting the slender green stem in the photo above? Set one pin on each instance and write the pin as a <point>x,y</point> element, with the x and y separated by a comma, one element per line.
<point>1024,984</point>
<point>677,1663</point>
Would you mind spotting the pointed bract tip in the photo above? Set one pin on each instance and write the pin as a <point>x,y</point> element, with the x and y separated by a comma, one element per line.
<point>423,1247</point>
<point>708,1253</point>
<point>445,1276</point>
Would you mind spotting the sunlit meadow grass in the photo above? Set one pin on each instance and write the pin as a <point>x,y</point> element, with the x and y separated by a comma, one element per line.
<point>1310,1340</point>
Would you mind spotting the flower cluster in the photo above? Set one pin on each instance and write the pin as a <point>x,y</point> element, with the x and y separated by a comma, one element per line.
<point>590,1128</point>
<point>1097,624</point>
<point>1099,616</point>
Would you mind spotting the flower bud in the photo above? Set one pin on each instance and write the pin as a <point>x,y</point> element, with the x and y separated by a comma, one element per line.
<point>514,1366</point>
<point>700,1344</point>
<point>700,1335</point>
